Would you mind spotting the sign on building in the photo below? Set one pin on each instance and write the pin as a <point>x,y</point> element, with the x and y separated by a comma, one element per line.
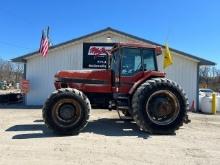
<point>94,55</point>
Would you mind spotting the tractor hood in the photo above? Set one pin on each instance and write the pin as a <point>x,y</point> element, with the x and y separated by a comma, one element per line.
<point>84,76</point>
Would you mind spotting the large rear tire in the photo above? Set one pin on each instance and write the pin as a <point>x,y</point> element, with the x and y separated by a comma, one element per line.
<point>159,106</point>
<point>66,111</point>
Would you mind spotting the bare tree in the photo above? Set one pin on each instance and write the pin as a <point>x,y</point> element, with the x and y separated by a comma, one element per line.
<point>218,75</point>
<point>204,74</point>
<point>18,71</point>
<point>10,72</point>
<point>210,76</point>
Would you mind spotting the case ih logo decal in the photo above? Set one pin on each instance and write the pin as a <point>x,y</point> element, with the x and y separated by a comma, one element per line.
<point>99,50</point>
<point>94,55</point>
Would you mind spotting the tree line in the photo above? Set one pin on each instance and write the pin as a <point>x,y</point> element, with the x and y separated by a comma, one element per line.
<point>209,77</point>
<point>11,72</point>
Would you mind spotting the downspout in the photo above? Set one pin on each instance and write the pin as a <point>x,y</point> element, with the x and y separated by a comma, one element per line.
<point>197,88</point>
<point>24,77</point>
<point>25,69</point>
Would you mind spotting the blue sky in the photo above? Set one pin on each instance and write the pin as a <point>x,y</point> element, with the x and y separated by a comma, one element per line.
<point>192,26</point>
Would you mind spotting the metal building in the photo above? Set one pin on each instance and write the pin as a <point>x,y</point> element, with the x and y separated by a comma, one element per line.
<point>69,56</point>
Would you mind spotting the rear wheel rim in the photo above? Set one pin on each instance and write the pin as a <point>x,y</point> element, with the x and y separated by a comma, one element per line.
<point>67,112</point>
<point>162,107</point>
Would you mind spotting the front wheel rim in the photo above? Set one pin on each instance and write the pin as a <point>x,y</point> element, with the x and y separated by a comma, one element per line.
<point>66,112</point>
<point>162,107</point>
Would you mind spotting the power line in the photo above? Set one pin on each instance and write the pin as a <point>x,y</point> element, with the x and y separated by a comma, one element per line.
<point>25,20</point>
<point>14,45</point>
<point>9,12</point>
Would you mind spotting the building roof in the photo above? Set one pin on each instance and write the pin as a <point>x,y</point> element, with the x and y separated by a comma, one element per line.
<point>201,60</point>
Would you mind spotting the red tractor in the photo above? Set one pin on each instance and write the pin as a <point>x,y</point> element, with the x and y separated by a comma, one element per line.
<point>131,83</point>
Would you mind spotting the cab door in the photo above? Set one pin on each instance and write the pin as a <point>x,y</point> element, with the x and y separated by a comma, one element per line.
<point>130,65</point>
<point>116,67</point>
<point>131,68</point>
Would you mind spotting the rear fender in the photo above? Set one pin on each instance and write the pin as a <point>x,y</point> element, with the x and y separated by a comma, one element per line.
<point>147,76</point>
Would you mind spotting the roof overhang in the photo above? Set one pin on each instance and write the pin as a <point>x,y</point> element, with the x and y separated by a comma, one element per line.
<point>202,61</point>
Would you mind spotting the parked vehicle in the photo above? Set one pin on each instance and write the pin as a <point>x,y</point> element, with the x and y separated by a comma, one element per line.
<point>3,85</point>
<point>11,98</point>
<point>131,83</point>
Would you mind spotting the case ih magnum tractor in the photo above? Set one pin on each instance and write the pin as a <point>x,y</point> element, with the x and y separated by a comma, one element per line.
<point>130,83</point>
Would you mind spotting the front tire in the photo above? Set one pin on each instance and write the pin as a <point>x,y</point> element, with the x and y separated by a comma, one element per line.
<point>159,106</point>
<point>66,111</point>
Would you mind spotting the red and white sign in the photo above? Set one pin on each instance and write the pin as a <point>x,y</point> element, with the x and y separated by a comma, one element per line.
<point>25,86</point>
<point>95,55</point>
<point>99,50</point>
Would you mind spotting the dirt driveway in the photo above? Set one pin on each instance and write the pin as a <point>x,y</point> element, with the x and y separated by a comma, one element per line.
<point>106,140</point>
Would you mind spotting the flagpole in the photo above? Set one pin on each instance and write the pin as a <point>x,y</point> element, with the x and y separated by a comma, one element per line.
<point>168,59</point>
<point>48,29</point>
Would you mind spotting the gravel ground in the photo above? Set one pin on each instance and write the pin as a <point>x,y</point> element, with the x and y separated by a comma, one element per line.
<point>24,140</point>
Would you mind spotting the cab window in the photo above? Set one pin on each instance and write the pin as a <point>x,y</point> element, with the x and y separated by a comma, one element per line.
<point>149,59</point>
<point>131,61</point>
<point>115,62</point>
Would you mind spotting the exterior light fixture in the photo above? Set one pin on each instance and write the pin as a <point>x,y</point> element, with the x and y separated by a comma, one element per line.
<point>109,39</point>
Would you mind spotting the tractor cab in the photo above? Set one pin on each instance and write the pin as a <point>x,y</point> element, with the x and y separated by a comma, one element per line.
<point>133,58</point>
<point>131,62</point>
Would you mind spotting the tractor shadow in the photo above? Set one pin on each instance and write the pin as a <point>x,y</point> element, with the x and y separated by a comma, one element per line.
<point>104,126</point>
<point>38,130</point>
<point>115,127</point>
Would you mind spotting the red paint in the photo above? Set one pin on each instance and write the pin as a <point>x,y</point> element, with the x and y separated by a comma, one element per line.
<point>128,84</point>
<point>25,86</point>
<point>146,76</point>
<point>86,74</point>
<point>102,75</point>
<point>136,45</point>
<point>97,51</point>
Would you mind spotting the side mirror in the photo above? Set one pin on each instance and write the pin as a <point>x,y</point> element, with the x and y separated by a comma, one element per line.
<point>158,50</point>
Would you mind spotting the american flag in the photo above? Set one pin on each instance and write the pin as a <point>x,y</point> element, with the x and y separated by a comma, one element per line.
<point>44,44</point>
